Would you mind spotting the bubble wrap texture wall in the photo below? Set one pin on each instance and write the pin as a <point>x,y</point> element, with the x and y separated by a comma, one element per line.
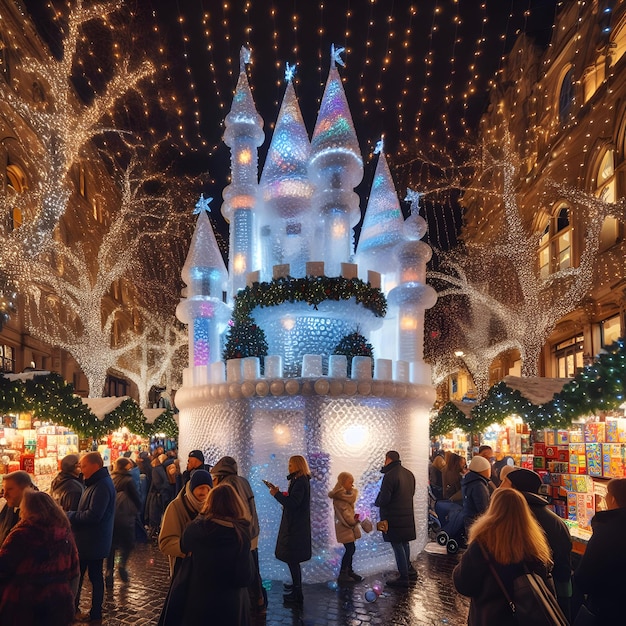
<point>335,435</point>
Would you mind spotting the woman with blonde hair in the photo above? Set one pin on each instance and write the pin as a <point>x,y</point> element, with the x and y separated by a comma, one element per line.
<point>293,545</point>
<point>38,566</point>
<point>347,530</point>
<point>509,537</point>
<point>212,585</point>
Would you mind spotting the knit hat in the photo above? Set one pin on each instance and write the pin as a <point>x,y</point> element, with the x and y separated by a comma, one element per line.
<point>197,454</point>
<point>506,470</point>
<point>200,477</point>
<point>226,466</point>
<point>479,464</point>
<point>69,463</point>
<point>525,480</point>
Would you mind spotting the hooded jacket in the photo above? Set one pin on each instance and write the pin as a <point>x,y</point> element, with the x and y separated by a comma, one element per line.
<point>601,573</point>
<point>225,470</point>
<point>346,527</point>
<point>67,489</point>
<point>180,512</point>
<point>395,500</point>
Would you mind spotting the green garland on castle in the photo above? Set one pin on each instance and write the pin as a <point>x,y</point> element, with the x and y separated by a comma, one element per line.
<point>313,290</point>
<point>596,388</point>
<point>52,399</point>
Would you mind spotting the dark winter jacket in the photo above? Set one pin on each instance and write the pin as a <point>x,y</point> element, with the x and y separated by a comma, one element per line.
<point>37,564</point>
<point>67,489</point>
<point>227,473</point>
<point>558,537</point>
<point>127,500</point>
<point>293,544</point>
<point>601,573</point>
<point>395,500</point>
<point>221,570</point>
<point>475,489</point>
<point>92,523</point>
<point>9,516</point>
<point>473,578</point>
<point>159,496</point>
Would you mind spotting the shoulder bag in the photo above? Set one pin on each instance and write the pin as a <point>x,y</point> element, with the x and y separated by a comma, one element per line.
<point>532,603</point>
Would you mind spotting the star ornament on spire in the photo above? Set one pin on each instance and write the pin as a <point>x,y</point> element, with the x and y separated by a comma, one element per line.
<point>335,55</point>
<point>380,144</point>
<point>413,197</point>
<point>290,71</point>
<point>244,58</point>
<point>202,205</point>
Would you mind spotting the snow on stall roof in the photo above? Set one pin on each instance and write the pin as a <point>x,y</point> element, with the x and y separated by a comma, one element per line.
<point>101,406</point>
<point>536,389</point>
<point>27,375</point>
<point>152,414</point>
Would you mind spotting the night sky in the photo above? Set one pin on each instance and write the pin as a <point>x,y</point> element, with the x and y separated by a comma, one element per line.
<point>416,72</point>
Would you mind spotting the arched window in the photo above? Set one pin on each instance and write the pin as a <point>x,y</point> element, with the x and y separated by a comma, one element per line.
<point>555,244</point>
<point>16,180</point>
<point>607,190</point>
<point>566,96</point>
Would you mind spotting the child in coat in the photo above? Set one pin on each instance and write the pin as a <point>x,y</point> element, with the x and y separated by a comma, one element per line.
<point>344,496</point>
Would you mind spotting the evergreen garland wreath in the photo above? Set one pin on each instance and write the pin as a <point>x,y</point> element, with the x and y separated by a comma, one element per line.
<point>353,345</point>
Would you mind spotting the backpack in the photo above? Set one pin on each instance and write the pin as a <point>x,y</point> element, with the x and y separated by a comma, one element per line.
<point>532,602</point>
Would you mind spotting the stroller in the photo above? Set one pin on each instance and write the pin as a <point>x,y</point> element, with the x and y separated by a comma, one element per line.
<point>452,526</point>
<point>434,525</point>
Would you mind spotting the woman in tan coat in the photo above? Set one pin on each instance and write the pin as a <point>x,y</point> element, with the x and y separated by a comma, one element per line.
<point>347,529</point>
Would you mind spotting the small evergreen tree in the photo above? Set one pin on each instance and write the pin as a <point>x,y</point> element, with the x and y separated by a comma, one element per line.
<point>244,339</point>
<point>353,345</point>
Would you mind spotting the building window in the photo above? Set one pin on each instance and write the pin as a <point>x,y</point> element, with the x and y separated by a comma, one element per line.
<point>16,181</point>
<point>611,330</point>
<point>566,96</point>
<point>7,359</point>
<point>555,244</point>
<point>569,356</point>
<point>607,191</point>
<point>115,387</point>
<point>82,180</point>
<point>618,43</point>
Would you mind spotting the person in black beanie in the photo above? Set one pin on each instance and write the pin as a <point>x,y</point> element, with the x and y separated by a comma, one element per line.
<point>557,533</point>
<point>195,461</point>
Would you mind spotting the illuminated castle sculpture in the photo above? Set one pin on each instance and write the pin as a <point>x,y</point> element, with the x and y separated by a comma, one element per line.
<point>294,274</point>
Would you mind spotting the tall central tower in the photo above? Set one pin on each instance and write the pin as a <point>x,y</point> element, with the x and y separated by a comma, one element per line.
<point>244,134</point>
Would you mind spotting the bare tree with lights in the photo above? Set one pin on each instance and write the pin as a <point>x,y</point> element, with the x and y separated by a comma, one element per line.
<point>58,130</point>
<point>69,286</point>
<point>161,351</point>
<point>501,276</point>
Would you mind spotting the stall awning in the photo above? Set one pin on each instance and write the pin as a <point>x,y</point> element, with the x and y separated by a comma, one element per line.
<point>536,389</point>
<point>101,406</point>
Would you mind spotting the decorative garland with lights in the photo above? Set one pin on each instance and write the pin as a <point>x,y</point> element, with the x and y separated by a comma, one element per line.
<point>51,398</point>
<point>596,388</point>
<point>313,290</point>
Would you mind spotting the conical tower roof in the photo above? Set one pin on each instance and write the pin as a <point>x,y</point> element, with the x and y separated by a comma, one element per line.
<point>243,110</point>
<point>383,223</point>
<point>285,172</point>
<point>204,259</point>
<point>334,127</point>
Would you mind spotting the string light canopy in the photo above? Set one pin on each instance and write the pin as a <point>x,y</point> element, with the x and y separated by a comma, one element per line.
<point>416,71</point>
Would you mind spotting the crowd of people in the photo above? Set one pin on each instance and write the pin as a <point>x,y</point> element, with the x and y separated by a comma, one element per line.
<point>205,520</point>
<point>496,511</point>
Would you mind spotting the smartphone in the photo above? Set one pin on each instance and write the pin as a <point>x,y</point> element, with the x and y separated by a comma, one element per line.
<point>268,484</point>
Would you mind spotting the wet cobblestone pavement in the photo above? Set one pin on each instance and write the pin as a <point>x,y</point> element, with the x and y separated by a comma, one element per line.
<point>432,601</point>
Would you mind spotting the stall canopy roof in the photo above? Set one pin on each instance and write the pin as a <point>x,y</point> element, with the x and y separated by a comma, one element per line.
<point>536,389</point>
<point>101,406</point>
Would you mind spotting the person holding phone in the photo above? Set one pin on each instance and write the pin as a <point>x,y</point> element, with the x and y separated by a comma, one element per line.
<point>293,545</point>
<point>347,530</point>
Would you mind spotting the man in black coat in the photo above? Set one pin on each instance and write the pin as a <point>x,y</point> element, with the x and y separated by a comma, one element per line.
<point>557,533</point>
<point>194,461</point>
<point>67,486</point>
<point>395,500</point>
<point>92,524</point>
<point>601,573</point>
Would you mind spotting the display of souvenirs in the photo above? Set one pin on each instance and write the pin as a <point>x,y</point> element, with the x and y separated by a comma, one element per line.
<point>36,449</point>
